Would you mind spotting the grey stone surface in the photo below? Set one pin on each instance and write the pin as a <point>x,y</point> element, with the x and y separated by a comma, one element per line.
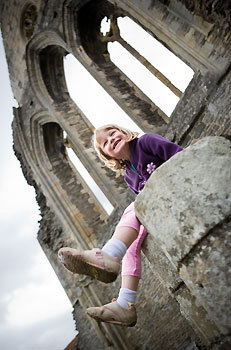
<point>186,207</point>
<point>207,274</point>
<point>187,196</point>
<point>196,315</point>
<point>161,267</point>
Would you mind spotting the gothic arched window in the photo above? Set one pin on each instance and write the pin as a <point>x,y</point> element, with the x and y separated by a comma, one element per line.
<point>124,65</point>
<point>137,54</point>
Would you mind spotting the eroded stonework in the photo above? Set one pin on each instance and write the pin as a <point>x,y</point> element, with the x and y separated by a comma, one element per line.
<point>177,309</point>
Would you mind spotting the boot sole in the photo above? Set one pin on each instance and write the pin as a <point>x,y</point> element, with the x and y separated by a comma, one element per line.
<point>77,264</point>
<point>117,323</point>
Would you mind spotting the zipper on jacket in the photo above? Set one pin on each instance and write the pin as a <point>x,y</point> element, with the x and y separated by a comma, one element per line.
<point>136,172</point>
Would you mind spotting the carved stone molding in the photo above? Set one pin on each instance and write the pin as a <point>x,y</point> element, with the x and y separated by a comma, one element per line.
<point>28,20</point>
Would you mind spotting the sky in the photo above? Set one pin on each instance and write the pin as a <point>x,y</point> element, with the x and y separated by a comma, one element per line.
<point>35,313</point>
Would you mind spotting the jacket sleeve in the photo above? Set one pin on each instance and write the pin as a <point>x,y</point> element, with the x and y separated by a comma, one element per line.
<point>157,145</point>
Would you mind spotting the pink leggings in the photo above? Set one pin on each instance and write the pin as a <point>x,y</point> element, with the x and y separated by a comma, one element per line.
<point>131,263</point>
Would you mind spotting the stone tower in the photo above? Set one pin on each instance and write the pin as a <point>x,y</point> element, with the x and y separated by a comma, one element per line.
<point>37,36</point>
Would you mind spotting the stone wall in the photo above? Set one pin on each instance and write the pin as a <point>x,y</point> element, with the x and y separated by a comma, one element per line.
<point>190,223</point>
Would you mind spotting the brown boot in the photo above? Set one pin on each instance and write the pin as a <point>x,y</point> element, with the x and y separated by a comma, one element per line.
<point>94,263</point>
<point>115,314</point>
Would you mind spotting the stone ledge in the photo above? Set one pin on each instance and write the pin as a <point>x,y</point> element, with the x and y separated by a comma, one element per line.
<point>186,206</point>
<point>187,196</point>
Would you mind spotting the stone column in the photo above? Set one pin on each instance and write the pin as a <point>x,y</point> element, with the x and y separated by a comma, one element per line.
<point>186,207</point>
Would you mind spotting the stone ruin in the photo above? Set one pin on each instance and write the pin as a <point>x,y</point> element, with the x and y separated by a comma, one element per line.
<point>184,296</point>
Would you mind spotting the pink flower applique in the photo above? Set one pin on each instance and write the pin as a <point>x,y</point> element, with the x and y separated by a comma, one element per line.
<point>151,167</point>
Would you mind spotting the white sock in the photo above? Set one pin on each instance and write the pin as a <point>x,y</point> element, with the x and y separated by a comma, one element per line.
<point>126,296</point>
<point>115,247</point>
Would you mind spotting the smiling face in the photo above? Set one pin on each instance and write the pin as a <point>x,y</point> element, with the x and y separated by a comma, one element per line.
<point>114,143</point>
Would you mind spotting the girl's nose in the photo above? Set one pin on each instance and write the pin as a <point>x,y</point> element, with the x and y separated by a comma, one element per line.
<point>112,139</point>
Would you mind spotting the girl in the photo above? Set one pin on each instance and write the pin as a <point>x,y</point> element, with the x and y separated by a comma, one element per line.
<point>135,158</point>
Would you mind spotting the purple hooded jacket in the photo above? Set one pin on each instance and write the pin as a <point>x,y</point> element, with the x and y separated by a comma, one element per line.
<point>146,154</point>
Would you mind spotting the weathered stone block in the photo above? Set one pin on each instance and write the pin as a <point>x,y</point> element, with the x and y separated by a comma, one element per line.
<point>196,315</point>
<point>206,272</point>
<point>160,264</point>
<point>187,196</point>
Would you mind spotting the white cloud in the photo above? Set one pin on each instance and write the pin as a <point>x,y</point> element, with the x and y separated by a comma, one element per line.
<point>38,299</point>
<point>52,334</point>
<point>16,195</point>
<point>34,303</point>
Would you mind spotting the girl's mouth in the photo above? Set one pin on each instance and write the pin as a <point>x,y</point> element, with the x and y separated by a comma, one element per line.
<point>116,143</point>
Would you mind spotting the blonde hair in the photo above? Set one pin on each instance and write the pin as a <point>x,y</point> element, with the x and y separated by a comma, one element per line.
<point>117,165</point>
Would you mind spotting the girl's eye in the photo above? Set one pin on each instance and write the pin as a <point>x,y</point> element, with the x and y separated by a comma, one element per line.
<point>112,133</point>
<point>105,143</point>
